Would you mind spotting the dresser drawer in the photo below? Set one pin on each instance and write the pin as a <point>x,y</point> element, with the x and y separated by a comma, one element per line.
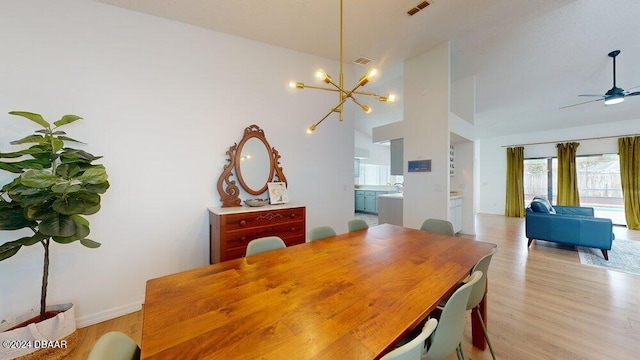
<point>238,238</point>
<point>239,252</point>
<point>231,231</point>
<point>255,219</point>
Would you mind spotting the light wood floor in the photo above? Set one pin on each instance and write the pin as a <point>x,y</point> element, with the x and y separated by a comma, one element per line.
<point>542,303</point>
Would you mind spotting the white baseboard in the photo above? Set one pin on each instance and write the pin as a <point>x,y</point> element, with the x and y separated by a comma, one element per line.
<point>109,314</point>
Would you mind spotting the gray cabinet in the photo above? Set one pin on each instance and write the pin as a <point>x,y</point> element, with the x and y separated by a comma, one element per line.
<point>367,200</point>
<point>397,156</point>
<point>359,201</point>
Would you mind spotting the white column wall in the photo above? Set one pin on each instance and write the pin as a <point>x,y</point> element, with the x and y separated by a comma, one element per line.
<point>426,135</point>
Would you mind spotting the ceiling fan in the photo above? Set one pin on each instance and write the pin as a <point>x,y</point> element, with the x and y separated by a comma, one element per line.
<point>615,95</point>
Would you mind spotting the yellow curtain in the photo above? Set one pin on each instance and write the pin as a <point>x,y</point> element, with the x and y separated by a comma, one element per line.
<point>629,151</point>
<point>515,188</point>
<point>567,175</point>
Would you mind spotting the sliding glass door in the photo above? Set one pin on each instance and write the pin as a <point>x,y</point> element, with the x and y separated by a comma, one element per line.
<point>598,183</point>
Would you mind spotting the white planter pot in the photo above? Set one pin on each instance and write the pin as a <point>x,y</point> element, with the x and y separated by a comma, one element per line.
<point>50,339</point>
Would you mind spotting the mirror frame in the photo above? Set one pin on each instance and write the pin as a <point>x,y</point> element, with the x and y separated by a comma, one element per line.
<point>230,195</point>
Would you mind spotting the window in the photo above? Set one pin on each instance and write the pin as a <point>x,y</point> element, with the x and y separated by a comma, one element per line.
<point>373,174</point>
<point>598,183</point>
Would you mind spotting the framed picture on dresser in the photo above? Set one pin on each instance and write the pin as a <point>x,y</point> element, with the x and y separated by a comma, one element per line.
<point>278,193</point>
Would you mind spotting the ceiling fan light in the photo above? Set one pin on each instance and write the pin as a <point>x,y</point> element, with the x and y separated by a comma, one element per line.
<point>615,99</point>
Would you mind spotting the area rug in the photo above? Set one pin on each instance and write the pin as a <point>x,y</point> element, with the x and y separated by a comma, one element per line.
<point>623,256</point>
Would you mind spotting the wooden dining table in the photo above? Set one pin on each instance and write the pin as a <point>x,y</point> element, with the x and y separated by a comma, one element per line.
<point>351,296</point>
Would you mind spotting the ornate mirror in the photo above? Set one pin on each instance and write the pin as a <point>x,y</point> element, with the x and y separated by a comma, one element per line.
<point>255,164</point>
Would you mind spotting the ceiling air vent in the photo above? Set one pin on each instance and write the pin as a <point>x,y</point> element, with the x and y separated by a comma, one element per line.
<point>418,7</point>
<point>362,61</point>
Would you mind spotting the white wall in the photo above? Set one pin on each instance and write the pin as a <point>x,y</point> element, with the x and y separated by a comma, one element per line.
<point>426,135</point>
<point>162,102</point>
<point>493,158</point>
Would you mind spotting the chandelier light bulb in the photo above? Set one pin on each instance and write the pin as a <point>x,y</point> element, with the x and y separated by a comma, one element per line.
<point>311,129</point>
<point>391,98</point>
<point>292,84</point>
<point>320,74</point>
<point>367,109</point>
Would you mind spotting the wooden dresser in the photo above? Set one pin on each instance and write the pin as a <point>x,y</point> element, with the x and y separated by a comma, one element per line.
<point>231,228</point>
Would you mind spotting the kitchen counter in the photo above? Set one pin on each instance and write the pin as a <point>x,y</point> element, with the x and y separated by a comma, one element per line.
<point>392,196</point>
<point>390,209</point>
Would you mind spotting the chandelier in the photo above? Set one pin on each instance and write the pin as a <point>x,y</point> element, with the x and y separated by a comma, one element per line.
<point>344,94</point>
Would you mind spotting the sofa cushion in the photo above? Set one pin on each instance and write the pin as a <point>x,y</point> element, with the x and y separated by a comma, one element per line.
<point>541,205</point>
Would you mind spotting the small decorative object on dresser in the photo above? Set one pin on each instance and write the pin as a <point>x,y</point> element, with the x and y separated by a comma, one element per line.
<point>231,229</point>
<point>256,202</point>
<point>278,193</point>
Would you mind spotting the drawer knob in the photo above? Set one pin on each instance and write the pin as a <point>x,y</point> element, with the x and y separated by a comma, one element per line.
<point>243,222</point>
<point>293,229</point>
<point>242,239</point>
<point>292,215</point>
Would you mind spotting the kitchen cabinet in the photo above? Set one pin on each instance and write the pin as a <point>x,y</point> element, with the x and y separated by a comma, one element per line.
<point>367,200</point>
<point>397,156</point>
<point>455,213</point>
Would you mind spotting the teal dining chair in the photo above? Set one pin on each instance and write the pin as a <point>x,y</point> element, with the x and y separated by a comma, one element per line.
<point>438,226</point>
<point>114,345</point>
<point>357,224</point>
<point>448,335</point>
<point>264,244</point>
<point>414,349</point>
<point>321,232</point>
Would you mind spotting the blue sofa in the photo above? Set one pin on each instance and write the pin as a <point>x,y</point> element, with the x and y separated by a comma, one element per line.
<point>569,225</point>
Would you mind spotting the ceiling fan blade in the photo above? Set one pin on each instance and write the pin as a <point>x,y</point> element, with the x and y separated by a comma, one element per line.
<point>586,102</point>
<point>631,88</point>
<point>633,94</point>
<point>592,95</point>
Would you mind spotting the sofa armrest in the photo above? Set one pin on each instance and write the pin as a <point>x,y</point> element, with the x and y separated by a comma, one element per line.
<point>574,210</point>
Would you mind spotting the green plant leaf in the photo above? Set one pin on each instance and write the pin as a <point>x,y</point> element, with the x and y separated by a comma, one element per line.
<point>75,155</point>
<point>39,139</point>
<point>30,196</point>
<point>38,178</point>
<point>78,203</point>
<point>36,164</point>
<point>10,167</point>
<point>9,249</point>
<point>82,230</point>
<point>12,217</point>
<point>57,145</point>
<point>90,243</point>
<point>66,187</point>
<point>37,118</point>
<point>66,138</point>
<point>67,119</point>
<point>94,175</point>
<point>96,188</point>
<point>32,240</point>
<point>68,171</point>
<point>59,132</point>
<point>59,226</point>
<point>40,211</point>
<point>34,150</point>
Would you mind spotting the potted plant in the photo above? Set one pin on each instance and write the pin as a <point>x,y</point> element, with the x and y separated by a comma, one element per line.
<point>54,187</point>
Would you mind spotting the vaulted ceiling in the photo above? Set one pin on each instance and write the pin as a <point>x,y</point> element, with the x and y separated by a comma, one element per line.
<point>529,57</point>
